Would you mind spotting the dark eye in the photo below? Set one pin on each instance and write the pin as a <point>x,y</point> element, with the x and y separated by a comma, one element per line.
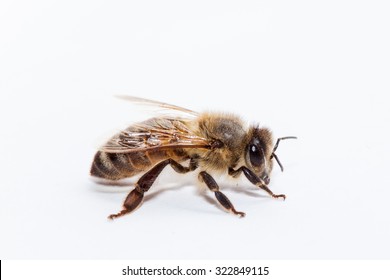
<point>255,156</point>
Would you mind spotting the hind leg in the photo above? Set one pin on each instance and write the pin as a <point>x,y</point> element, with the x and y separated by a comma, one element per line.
<point>135,197</point>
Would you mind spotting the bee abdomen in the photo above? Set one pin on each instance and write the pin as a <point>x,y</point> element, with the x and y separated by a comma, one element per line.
<point>116,166</point>
<point>113,166</point>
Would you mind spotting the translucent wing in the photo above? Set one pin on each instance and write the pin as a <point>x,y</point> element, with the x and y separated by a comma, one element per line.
<point>149,102</point>
<point>156,133</point>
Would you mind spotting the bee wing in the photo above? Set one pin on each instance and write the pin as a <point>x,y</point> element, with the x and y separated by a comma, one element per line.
<point>156,133</point>
<point>149,102</point>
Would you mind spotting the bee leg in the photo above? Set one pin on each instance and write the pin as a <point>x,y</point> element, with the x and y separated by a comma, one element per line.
<point>135,197</point>
<point>132,202</point>
<point>234,173</point>
<point>255,180</point>
<point>184,169</point>
<point>222,199</point>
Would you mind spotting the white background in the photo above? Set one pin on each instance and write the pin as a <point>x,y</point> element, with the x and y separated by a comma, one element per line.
<point>317,70</point>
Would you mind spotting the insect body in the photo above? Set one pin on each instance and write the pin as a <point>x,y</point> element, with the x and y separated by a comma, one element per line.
<point>210,142</point>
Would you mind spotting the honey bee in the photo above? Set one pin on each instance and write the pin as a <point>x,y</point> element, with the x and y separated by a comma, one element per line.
<point>209,142</point>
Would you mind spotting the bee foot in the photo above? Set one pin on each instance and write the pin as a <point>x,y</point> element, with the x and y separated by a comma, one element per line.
<point>279,195</point>
<point>121,213</point>
<point>241,214</point>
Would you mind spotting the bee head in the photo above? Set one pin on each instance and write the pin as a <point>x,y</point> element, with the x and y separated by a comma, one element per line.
<point>259,152</point>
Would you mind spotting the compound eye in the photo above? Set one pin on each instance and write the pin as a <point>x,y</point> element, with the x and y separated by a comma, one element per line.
<point>256,156</point>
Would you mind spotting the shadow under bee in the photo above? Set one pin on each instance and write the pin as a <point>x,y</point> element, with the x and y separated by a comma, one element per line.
<point>108,186</point>
<point>121,186</point>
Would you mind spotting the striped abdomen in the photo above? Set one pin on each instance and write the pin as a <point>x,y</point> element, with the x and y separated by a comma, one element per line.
<point>115,166</point>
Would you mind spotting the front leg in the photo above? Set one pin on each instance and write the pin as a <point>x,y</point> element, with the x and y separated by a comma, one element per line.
<point>254,179</point>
